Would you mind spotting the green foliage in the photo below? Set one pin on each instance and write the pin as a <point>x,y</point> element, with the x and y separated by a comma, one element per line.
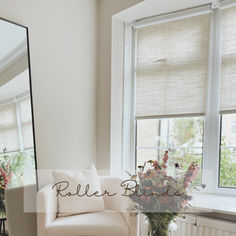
<point>14,164</point>
<point>185,157</point>
<point>185,131</point>
<point>227,167</point>
<point>2,201</point>
<point>17,162</point>
<point>159,223</point>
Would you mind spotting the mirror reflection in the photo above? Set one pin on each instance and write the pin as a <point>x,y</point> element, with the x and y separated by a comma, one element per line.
<point>17,155</point>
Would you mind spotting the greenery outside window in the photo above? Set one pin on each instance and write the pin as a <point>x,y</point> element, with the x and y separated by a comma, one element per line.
<point>228,152</point>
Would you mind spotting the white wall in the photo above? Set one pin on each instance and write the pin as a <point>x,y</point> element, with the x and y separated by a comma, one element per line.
<point>63,46</point>
<point>106,8</point>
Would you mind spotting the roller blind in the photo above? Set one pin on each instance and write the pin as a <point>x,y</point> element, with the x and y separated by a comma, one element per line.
<point>172,67</point>
<point>228,81</point>
<point>26,121</point>
<point>8,128</point>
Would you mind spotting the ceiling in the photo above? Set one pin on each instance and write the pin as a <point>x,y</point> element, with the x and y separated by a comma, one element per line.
<point>150,8</point>
<point>15,87</point>
<point>11,37</point>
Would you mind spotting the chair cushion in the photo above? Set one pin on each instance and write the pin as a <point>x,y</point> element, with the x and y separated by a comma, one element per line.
<point>107,223</point>
<point>69,203</point>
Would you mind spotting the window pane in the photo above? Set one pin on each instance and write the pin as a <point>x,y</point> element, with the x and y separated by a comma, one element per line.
<point>21,166</point>
<point>228,136</point>
<point>186,132</point>
<point>183,137</point>
<point>228,167</point>
<point>185,156</point>
<point>228,152</point>
<point>145,155</point>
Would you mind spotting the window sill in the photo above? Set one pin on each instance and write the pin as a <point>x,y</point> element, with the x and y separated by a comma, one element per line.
<point>214,203</point>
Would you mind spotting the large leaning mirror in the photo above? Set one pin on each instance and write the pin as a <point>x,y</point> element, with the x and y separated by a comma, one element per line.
<point>17,149</point>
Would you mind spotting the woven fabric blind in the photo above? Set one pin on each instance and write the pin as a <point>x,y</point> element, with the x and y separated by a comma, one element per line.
<point>26,120</point>
<point>228,81</point>
<point>172,67</point>
<point>8,128</point>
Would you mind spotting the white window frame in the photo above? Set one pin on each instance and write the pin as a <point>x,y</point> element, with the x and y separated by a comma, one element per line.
<point>212,124</point>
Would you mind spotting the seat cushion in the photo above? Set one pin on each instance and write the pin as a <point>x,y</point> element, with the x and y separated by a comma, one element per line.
<point>107,223</point>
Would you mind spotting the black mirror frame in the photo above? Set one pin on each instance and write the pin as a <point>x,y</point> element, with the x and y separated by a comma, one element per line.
<point>31,94</point>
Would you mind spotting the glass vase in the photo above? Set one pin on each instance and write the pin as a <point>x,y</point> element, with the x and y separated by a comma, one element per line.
<point>2,215</point>
<point>159,223</point>
<point>2,203</point>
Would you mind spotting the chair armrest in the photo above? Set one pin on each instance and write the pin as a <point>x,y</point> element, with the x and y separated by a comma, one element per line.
<point>46,208</point>
<point>132,222</point>
<point>118,202</point>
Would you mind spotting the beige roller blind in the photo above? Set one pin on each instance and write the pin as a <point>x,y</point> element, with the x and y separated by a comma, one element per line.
<point>172,67</point>
<point>228,81</point>
<point>26,121</point>
<point>8,128</point>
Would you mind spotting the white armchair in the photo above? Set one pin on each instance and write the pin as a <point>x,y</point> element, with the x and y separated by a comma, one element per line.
<point>114,221</point>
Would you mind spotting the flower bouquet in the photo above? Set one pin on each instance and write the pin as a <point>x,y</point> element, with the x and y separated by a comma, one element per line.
<point>159,196</point>
<point>5,177</point>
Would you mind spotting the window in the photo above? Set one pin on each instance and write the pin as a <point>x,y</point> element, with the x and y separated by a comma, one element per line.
<point>16,139</point>
<point>183,137</point>
<point>228,152</point>
<point>228,100</point>
<point>184,94</point>
<point>171,81</point>
<point>234,127</point>
<point>228,77</point>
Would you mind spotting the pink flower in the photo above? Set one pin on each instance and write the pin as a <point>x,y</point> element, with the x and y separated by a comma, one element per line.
<point>191,173</point>
<point>145,199</point>
<point>167,199</point>
<point>165,159</point>
<point>183,203</point>
<point>164,173</point>
<point>156,165</point>
<point>4,176</point>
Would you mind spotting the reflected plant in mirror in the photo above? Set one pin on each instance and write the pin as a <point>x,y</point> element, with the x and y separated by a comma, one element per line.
<point>17,152</point>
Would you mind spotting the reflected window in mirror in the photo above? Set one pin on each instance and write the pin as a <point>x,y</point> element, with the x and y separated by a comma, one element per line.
<point>17,151</point>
